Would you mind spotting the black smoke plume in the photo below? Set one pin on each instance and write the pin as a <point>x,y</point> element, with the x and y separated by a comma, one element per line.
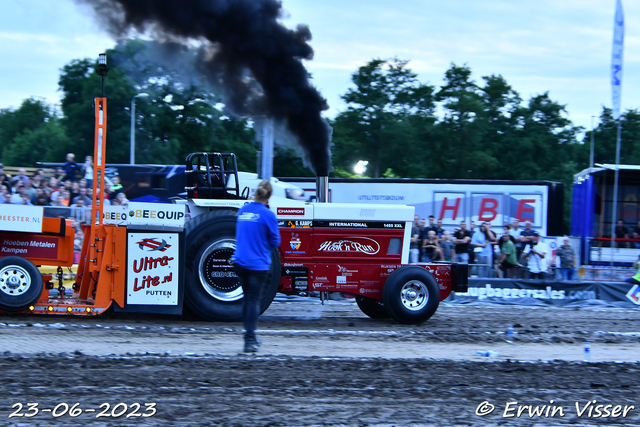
<point>253,58</point>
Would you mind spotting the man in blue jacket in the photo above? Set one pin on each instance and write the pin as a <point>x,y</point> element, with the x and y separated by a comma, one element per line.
<point>256,234</point>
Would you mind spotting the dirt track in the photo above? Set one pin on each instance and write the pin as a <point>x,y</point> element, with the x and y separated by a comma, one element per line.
<point>325,365</point>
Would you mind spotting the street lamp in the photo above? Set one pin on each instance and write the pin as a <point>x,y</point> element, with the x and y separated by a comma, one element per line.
<point>132,155</point>
<point>360,167</point>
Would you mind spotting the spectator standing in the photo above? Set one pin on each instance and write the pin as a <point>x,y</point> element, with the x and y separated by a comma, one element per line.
<point>30,190</point>
<point>83,195</point>
<point>122,199</point>
<point>432,225</point>
<point>256,235</point>
<point>88,170</point>
<point>414,249</point>
<point>537,253</point>
<point>80,211</point>
<point>4,179</point>
<point>472,254</point>
<point>57,192</point>
<point>431,247</point>
<point>3,175</point>
<point>567,259</point>
<point>439,230</point>
<point>41,200</point>
<point>74,190</point>
<point>482,248</point>
<point>116,188</point>
<point>71,168</point>
<point>39,193</point>
<point>21,177</point>
<point>462,238</point>
<point>65,198</point>
<point>508,231</point>
<point>18,191</point>
<point>59,176</point>
<point>507,260</point>
<point>622,232</point>
<point>446,245</point>
<point>422,234</point>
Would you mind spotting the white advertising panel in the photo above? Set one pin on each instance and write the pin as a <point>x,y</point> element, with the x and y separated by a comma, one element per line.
<point>159,214</point>
<point>463,201</point>
<point>451,207</point>
<point>527,207</point>
<point>21,218</point>
<point>487,207</point>
<point>115,215</point>
<point>152,270</point>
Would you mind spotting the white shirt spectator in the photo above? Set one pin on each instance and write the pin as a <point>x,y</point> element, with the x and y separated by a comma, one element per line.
<point>536,263</point>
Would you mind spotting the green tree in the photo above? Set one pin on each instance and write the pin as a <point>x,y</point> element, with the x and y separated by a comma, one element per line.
<point>31,133</point>
<point>459,147</point>
<point>380,124</point>
<point>606,136</point>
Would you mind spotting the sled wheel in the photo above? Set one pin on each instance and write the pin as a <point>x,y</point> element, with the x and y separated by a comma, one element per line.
<point>372,307</point>
<point>212,288</point>
<point>411,295</point>
<point>20,283</point>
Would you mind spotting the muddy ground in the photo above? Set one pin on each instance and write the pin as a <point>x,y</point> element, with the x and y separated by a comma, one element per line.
<point>326,366</point>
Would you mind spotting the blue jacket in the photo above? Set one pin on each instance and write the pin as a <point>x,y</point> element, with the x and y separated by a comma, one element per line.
<point>256,233</point>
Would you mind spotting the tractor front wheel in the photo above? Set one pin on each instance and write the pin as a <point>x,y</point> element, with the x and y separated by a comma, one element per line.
<point>20,283</point>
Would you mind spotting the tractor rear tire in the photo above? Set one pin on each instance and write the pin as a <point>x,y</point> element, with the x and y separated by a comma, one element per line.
<point>411,295</point>
<point>212,288</point>
<point>20,283</point>
<point>372,307</point>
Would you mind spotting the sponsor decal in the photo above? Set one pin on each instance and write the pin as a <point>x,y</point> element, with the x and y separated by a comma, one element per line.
<point>153,214</point>
<point>353,244</point>
<point>321,278</point>
<point>295,223</point>
<point>152,271</point>
<point>21,218</point>
<point>318,285</point>
<point>342,269</point>
<point>288,271</point>
<point>341,279</point>
<point>547,293</point>
<point>634,294</point>
<point>153,245</point>
<point>368,291</point>
<point>29,247</point>
<point>293,264</point>
<point>295,241</point>
<point>290,211</point>
<point>377,197</point>
<point>359,224</point>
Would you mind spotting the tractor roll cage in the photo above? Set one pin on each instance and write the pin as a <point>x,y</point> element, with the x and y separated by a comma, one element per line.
<point>209,176</point>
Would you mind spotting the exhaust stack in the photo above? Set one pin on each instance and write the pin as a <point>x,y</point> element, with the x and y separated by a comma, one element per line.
<point>322,189</point>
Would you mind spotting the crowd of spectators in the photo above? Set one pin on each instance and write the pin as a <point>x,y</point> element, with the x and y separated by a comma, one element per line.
<point>517,252</point>
<point>71,187</point>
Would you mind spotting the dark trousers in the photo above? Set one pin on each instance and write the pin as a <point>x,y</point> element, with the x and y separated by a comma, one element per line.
<point>252,282</point>
<point>539,276</point>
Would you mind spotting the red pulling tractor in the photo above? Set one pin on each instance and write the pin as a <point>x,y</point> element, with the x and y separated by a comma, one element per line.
<point>154,258</point>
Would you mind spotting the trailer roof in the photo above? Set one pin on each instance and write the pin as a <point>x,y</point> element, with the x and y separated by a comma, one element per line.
<point>602,167</point>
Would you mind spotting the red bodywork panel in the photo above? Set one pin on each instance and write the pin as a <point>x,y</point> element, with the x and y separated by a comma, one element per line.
<point>353,261</point>
<point>54,246</point>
